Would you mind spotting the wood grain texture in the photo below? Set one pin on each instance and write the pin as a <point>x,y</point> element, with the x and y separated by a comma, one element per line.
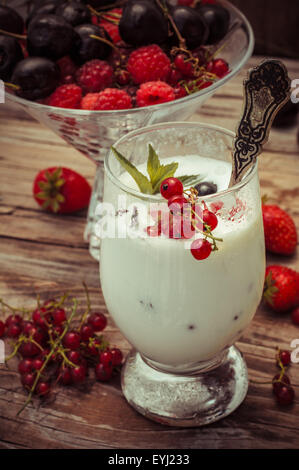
<point>45,254</point>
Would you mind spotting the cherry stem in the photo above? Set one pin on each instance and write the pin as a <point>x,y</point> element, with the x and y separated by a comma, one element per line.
<point>93,36</point>
<point>13,35</point>
<point>48,357</point>
<point>11,85</point>
<point>182,41</point>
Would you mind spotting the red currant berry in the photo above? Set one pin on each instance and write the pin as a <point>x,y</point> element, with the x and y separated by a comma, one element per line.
<point>174,77</point>
<point>74,356</point>
<point>72,340</point>
<point>57,331</point>
<point>278,383</point>
<point>65,375</point>
<point>37,363</point>
<point>171,187</point>
<point>86,332</point>
<point>14,330</point>
<point>78,373</point>
<point>25,366</point>
<point>184,66</point>
<point>98,321</point>
<point>93,347</point>
<point>29,350</point>
<point>13,319</point>
<point>28,380</point>
<point>59,316</point>
<point>219,67</point>
<point>285,358</point>
<point>50,304</point>
<point>117,356</point>
<point>27,326</point>
<point>41,318</point>
<point>42,389</point>
<point>176,204</point>
<point>106,358</point>
<point>210,219</point>
<point>37,334</point>
<point>295,316</point>
<point>201,249</point>
<point>285,395</point>
<point>103,374</point>
<point>2,329</point>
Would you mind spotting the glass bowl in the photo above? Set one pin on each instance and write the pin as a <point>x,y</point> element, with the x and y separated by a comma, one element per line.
<point>93,132</point>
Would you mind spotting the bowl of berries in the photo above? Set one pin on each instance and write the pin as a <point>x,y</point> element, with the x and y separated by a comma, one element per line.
<point>93,70</point>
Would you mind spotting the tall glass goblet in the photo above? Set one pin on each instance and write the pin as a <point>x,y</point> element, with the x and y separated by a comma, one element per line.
<point>182,315</point>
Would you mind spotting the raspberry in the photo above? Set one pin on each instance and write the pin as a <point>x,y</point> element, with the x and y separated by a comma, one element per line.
<point>66,96</point>
<point>95,75</point>
<point>154,93</point>
<point>109,99</point>
<point>149,63</point>
<point>108,22</point>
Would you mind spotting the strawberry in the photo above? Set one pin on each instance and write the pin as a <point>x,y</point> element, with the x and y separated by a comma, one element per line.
<point>61,190</point>
<point>280,230</point>
<point>281,289</point>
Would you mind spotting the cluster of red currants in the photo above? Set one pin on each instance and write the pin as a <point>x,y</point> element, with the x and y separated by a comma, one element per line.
<point>57,347</point>
<point>187,216</point>
<point>282,389</point>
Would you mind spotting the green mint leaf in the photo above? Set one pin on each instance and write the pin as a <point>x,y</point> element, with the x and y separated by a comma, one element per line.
<point>158,172</point>
<point>142,181</point>
<point>190,180</point>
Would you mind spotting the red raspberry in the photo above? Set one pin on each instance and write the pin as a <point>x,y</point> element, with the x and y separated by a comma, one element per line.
<point>113,15</point>
<point>109,99</point>
<point>95,75</point>
<point>149,63</point>
<point>66,96</point>
<point>154,93</point>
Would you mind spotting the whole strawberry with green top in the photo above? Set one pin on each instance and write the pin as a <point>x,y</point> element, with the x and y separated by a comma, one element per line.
<point>61,190</point>
<point>280,230</point>
<point>281,289</point>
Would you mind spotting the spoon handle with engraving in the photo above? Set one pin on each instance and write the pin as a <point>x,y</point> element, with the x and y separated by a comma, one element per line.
<point>266,89</point>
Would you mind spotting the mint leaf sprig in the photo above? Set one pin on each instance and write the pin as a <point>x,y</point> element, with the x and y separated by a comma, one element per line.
<point>157,172</point>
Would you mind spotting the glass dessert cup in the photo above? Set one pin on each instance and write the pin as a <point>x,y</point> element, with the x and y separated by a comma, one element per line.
<point>93,132</point>
<point>182,316</point>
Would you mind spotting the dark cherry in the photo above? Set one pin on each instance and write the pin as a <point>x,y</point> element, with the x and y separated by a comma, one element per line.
<point>217,18</point>
<point>205,188</point>
<point>74,12</point>
<point>44,8</point>
<point>143,23</point>
<point>49,36</point>
<point>37,77</point>
<point>191,25</point>
<point>10,20</point>
<point>86,48</point>
<point>10,54</point>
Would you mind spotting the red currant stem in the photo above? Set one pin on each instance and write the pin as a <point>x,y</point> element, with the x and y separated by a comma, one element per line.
<point>4,304</point>
<point>65,358</point>
<point>48,357</point>
<point>13,35</point>
<point>93,36</point>
<point>280,364</point>
<point>182,40</point>
<point>16,348</point>
<point>208,233</point>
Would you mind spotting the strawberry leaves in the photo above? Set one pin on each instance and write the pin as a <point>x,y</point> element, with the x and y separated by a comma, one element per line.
<point>157,172</point>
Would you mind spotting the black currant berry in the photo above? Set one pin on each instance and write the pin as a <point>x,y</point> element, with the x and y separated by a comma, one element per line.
<point>10,20</point>
<point>74,13</point>
<point>217,18</point>
<point>191,26</point>
<point>10,54</point>
<point>205,188</point>
<point>142,23</point>
<point>85,47</point>
<point>37,77</point>
<point>47,7</point>
<point>49,36</point>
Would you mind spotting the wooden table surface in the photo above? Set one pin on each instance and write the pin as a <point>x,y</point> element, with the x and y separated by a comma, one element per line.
<point>46,254</point>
